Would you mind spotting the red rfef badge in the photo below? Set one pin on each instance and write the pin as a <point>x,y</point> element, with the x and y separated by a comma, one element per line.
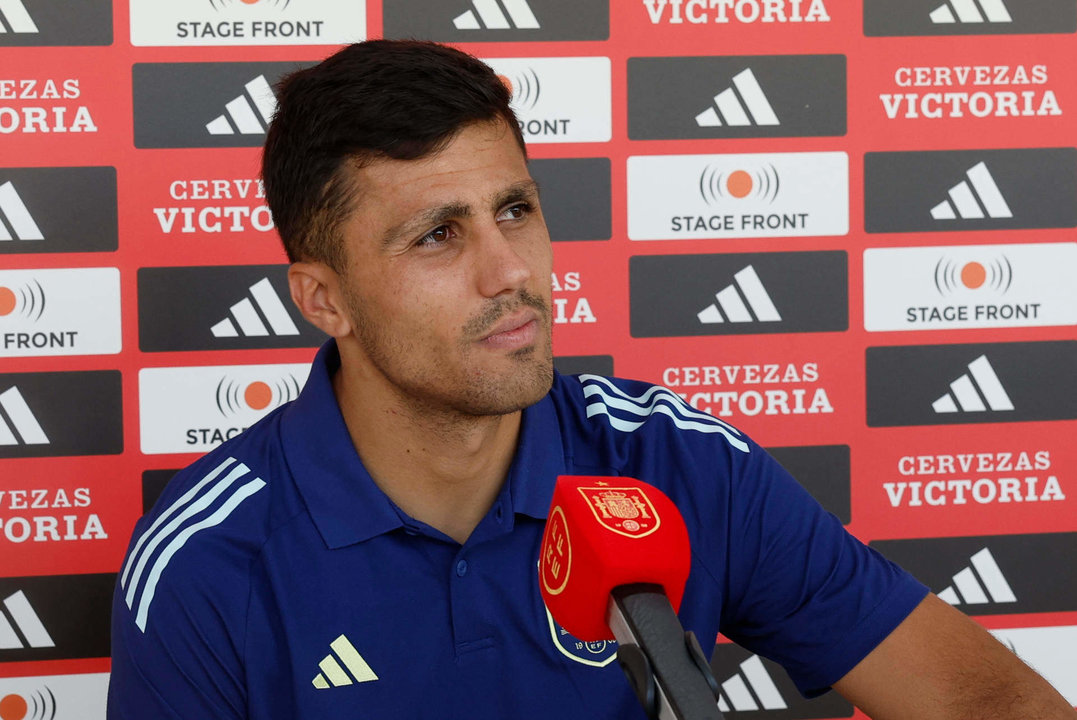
<point>556,561</point>
<point>624,510</point>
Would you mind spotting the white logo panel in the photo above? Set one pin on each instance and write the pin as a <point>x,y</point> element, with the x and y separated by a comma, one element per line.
<point>970,286</point>
<point>673,197</point>
<point>57,697</point>
<point>195,409</point>
<point>1051,651</point>
<point>558,100</point>
<point>60,312</point>
<point>247,22</point>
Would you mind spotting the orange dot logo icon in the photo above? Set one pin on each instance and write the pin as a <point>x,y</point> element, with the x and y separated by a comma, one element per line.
<point>739,184</point>
<point>258,395</point>
<point>7,306</point>
<point>973,275</point>
<point>13,707</point>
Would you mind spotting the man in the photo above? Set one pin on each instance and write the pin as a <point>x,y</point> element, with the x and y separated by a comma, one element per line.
<point>370,550</point>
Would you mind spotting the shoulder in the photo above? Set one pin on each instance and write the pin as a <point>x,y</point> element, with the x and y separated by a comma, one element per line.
<point>197,543</point>
<point>633,426</point>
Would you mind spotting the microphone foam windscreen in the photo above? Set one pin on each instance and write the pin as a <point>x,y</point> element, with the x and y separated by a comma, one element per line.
<point>602,532</point>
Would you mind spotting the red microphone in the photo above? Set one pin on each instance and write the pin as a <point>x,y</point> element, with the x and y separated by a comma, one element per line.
<point>614,561</point>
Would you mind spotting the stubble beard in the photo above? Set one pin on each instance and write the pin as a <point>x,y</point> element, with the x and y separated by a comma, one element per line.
<point>463,389</point>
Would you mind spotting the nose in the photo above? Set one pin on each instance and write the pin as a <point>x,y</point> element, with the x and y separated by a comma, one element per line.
<point>501,266</point>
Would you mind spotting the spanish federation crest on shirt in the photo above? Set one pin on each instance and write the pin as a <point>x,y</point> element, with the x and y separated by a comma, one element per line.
<point>624,510</point>
<point>595,654</point>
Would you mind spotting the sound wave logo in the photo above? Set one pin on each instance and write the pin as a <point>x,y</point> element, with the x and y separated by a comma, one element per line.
<point>225,4</point>
<point>951,276</point>
<point>716,184</point>
<point>27,300</point>
<point>41,705</point>
<point>235,397</point>
<point>525,88</point>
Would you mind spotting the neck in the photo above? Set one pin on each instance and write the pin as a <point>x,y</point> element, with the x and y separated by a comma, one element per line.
<point>440,467</point>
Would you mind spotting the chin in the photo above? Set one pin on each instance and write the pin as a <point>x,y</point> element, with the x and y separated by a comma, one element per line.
<point>521,387</point>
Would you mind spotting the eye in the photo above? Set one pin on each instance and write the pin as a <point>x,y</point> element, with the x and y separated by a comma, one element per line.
<point>437,236</point>
<point>515,212</point>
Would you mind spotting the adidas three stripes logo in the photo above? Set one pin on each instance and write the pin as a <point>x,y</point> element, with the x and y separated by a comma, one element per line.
<point>14,16</point>
<point>16,223</point>
<point>250,323</point>
<point>247,114</point>
<point>22,421</point>
<point>25,621</point>
<point>971,11</point>
<point>489,14</point>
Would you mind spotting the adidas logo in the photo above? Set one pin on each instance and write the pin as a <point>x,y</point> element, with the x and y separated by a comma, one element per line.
<point>16,223</point>
<point>492,17</point>
<point>747,284</point>
<point>971,11</point>
<point>970,391</point>
<point>735,110</point>
<point>240,117</point>
<point>751,689</point>
<point>333,675</point>
<point>248,319</point>
<point>22,420</point>
<point>14,15</point>
<point>34,634</point>
<point>970,202</point>
<point>980,584</point>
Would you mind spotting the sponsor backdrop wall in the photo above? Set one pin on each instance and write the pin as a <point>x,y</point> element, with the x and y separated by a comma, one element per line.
<point>846,227</point>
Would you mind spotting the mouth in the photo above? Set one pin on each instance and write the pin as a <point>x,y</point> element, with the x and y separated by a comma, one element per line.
<point>514,331</point>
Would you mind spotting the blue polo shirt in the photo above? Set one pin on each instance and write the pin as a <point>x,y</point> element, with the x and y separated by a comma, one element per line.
<point>273,580</point>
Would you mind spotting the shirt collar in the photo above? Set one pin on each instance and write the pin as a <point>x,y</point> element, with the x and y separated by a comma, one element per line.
<point>345,504</point>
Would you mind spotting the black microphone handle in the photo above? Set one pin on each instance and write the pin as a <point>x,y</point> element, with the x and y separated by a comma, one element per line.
<point>641,615</point>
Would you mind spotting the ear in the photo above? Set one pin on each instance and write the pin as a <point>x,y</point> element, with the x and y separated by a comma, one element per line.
<point>315,289</point>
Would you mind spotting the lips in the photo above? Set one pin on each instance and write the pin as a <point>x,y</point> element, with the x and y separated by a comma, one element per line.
<point>515,330</point>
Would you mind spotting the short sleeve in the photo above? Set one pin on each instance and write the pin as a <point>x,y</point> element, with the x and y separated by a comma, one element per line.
<point>185,661</point>
<point>802,590</point>
<point>179,613</point>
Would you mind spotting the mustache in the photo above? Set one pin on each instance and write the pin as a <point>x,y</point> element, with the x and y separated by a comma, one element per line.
<point>499,308</point>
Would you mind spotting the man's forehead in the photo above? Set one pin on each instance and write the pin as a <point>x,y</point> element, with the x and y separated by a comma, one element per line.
<point>469,153</point>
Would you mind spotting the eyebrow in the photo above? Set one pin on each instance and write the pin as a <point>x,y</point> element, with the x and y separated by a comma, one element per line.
<point>432,217</point>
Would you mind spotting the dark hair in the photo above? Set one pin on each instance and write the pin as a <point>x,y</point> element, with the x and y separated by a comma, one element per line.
<point>399,99</point>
